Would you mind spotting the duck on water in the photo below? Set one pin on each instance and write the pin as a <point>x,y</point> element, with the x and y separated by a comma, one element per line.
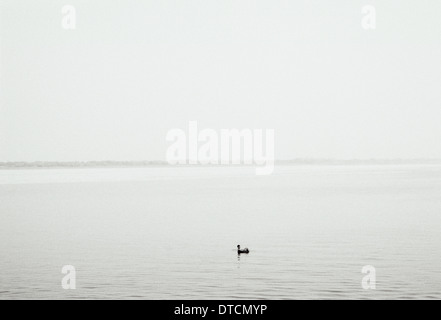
<point>240,251</point>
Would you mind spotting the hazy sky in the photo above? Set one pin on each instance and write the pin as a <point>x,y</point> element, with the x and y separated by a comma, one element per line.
<point>133,69</point>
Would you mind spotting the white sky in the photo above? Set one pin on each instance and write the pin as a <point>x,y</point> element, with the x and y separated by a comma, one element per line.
<point>133,69</point>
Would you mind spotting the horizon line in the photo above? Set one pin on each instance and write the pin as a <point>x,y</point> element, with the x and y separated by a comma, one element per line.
<point>138,163</point>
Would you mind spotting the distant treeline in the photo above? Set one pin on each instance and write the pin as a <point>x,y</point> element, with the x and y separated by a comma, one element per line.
<point>100,164</point>
<point>359,161</point>
<point>79,164</point>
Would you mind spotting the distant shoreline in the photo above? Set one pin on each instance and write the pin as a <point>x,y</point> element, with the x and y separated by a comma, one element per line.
<point>85,164</point>
<point>138,164</point>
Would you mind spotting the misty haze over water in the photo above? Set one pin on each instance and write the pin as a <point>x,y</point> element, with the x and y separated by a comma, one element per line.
<point>171,233</point>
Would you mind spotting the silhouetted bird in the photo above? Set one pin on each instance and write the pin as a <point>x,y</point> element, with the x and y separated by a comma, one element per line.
<point>239,251</point>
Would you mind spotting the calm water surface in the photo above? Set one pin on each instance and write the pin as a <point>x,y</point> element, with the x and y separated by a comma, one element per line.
<point>171,233</point>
